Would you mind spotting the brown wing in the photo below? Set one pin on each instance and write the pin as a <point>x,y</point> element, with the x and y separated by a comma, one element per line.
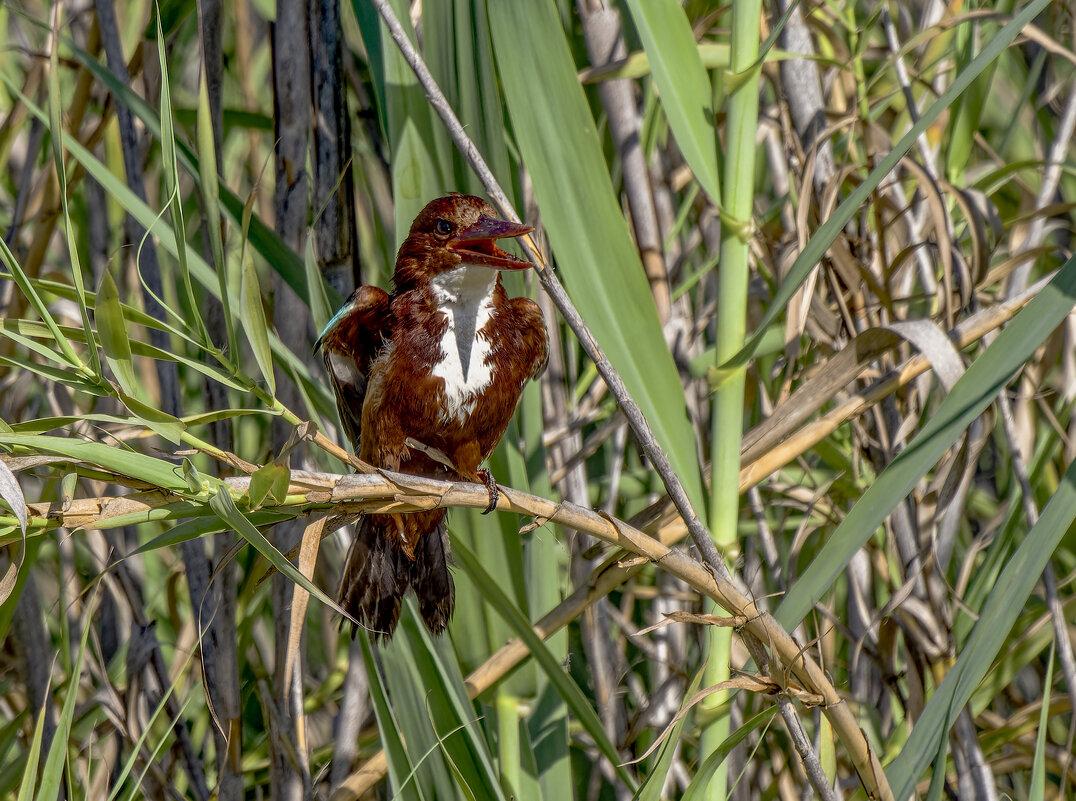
<point>349,344</point>
<point>522,356</point>
<point>532,322</point>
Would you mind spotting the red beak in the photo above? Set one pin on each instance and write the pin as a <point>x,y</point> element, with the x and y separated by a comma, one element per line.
<point>477,245</point>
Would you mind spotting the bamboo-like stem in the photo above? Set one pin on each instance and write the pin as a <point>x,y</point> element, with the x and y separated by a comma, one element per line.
<point>727,412</point>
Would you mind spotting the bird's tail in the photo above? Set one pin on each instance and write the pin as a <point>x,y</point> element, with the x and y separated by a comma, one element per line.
<point>377,573</point>
<point>431,580</point>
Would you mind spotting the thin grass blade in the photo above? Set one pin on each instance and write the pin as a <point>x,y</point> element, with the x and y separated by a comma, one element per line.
<point>252,314</point>
<point>971,394</point>
<point>53,772</point>
<point>28,785</point>
<point>210,188</point>
<point>1007,599</point>
<point>843,214</point>
<point>1037,791</point>
<point>170,172</point>
<point>225,508</point>
<point>56,126</point>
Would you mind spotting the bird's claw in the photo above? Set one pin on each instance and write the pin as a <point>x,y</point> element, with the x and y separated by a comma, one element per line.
<point>491,488</point>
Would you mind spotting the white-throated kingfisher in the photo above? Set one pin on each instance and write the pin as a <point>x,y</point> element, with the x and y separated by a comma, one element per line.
<point>442,361</point>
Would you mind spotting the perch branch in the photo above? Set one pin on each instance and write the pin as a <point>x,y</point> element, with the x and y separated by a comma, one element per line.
<point>353,492</point>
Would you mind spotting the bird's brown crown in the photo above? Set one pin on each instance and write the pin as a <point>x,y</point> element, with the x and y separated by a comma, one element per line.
<point>452,231</point>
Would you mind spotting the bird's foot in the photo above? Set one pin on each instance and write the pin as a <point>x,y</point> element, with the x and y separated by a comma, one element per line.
<point>491,487</point>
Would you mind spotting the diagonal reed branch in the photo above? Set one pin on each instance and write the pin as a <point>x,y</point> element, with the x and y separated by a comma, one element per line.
<point>362,493</point>
<point>654,522</point>
<point>553,287</point>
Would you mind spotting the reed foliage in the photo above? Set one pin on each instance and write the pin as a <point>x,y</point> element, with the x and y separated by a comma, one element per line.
<point>827,249</point>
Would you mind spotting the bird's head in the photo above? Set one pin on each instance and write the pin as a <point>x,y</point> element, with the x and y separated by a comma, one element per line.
<point>453,232</point>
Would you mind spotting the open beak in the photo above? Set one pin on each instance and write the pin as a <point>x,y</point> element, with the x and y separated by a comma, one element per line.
<point>477,245</point>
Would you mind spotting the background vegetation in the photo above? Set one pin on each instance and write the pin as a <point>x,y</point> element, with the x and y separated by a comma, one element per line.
<point>826,247</point>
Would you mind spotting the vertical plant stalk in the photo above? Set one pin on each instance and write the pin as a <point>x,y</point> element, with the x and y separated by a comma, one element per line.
<point>289,767</point>
<point>336,241</point>
<point>605,44</point>
<point>167,374</point>
<point>216,600</point>
<point>732,278</point>
<point>595,631</point>
<point>639,425</point>
<point>150,267</point>
<point>334,195</point>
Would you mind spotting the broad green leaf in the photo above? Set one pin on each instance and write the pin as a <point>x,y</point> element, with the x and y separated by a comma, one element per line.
<point>558,140</point>
<point>528,774</point>
<point>270,480</point>
<point>476,630</point>
<point>202,526</point>
<point>252,313</point>
<point>637,65</point>
<point>113,333</point>
<point>319,300</point>
<point>192,476</point>
<point>450,712</point>
<point>122,462</point>
<point>968,109</point>
<point>683,85</point>
<point>409,679</point>
<point>992,562</point>
<point>401,770</point>
<point>567,688</point>
<point>162,423</point>
<point>371,30</point>
<point>461,60</point>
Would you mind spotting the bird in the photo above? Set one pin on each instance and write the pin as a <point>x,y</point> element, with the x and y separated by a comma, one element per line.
<point>440,362</point>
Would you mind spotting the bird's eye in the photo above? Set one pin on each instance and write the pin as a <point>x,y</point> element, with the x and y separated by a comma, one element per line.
<point>443,228</point>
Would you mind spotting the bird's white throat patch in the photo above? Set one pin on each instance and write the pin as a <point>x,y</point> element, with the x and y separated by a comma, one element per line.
<point>465,297</point>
